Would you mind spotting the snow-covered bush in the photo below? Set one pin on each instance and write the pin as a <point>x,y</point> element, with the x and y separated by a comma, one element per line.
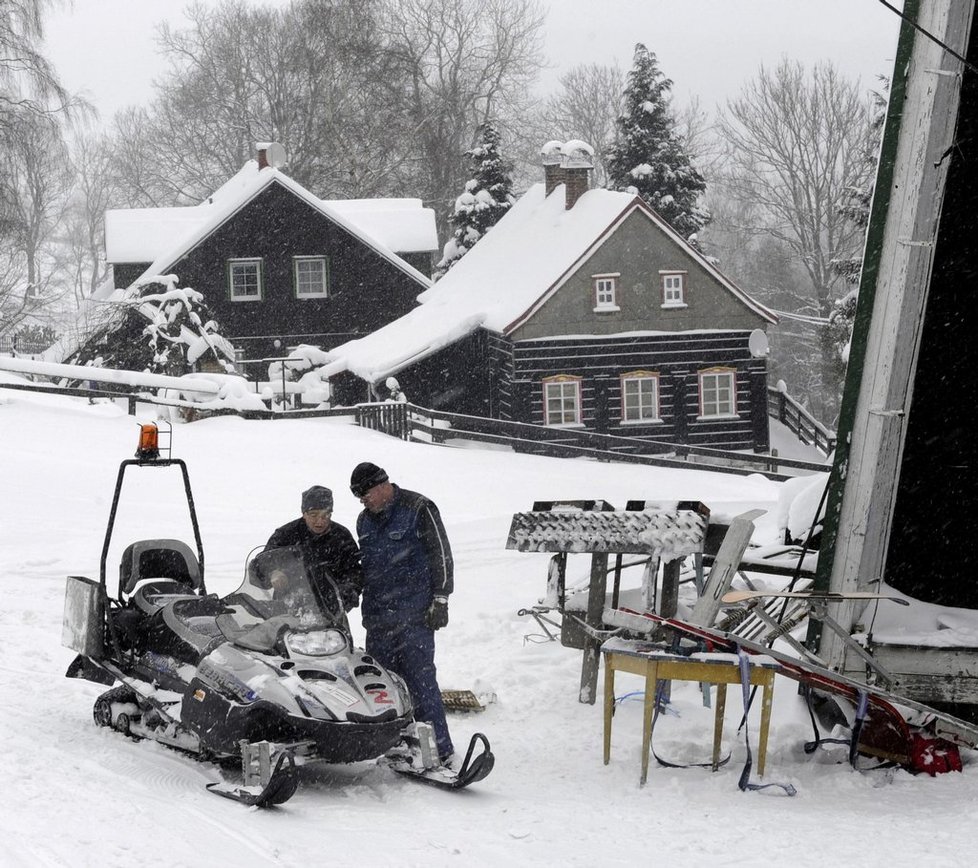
<point>157,327</point>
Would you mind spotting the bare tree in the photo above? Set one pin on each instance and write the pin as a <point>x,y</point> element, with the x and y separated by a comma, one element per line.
<point>28,82</point>
<point>794,142</point>
<point>461,62</point>
<point>34,191</point>
<point>311,75</point>
<point>33,104</point>
<point>94,191</point>
<point>588,102</point>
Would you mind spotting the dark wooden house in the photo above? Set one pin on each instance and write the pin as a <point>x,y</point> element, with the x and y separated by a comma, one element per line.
<point>580,308</point>
<point>278,266</point>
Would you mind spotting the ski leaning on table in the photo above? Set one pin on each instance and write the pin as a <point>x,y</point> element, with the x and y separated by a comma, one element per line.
<point>814,596</point>
<point>885,732</point>
<point>409,760</point>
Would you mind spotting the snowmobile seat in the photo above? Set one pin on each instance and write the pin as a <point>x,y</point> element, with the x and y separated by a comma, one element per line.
<point>194,620</point>
<point>152,596</point>
<point>168,561</point>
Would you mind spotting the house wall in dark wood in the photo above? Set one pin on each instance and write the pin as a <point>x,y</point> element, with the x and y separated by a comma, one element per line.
<point>366,289</point>
<point>638,250</point>
<point>421,261</point>
<point>677,359</point>
<point>458,378</point>
<point>125,273</point>
<point>501,363</point>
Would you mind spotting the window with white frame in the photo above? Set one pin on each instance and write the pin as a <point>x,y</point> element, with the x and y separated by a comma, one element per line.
<point>718,393</point>
<point>673,288</point>
<point>640,397</point>
<point>562,400</point>
<point>606,291</point>
<point>311,276</point>
<point>244,279</point>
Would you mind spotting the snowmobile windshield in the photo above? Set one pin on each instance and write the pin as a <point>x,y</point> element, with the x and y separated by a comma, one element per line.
<point>277,595</point>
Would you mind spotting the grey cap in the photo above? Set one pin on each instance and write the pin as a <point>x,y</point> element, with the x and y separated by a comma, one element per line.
<point>317,497</point>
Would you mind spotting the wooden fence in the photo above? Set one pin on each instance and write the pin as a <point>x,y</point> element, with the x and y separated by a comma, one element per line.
<point>410,422</point>
<point>784,408</point>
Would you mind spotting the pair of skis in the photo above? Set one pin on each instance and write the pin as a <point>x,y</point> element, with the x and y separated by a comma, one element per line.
<point>885,733</point>
<point>282,779</point>
<point>814,596</point>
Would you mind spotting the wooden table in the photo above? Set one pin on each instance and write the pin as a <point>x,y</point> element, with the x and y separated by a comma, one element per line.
<point>623,655</point>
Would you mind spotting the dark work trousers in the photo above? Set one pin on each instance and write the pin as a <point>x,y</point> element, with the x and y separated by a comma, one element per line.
<point>410,652</point>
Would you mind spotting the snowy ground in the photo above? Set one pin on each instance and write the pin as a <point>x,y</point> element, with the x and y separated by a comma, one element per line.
<point>77,795</point>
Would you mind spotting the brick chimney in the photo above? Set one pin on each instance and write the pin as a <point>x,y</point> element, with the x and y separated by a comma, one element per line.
<point>270,154</point>
<point>578,161</point>
<point>553,173</point>
<point>567,163</point>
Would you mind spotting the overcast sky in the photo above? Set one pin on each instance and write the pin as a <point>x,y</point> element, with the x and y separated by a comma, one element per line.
<point>709,48</point>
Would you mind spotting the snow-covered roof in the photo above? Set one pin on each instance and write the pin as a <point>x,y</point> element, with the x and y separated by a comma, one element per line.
<point>502,281</point>
<point>163,235</point>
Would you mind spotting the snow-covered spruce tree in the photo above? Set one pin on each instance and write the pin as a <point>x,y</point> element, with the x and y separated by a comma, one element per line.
<point>158,328</point>
<point>648,156</point>
<point>488,196</point>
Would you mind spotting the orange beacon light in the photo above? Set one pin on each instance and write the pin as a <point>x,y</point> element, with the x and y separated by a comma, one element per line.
<point>149,442</point>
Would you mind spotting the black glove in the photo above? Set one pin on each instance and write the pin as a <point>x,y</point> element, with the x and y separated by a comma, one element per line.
<point>437,615</point>
<point>350,598</point>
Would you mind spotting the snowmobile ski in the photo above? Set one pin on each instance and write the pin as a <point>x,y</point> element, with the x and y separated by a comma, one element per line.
<point>474,767</point>
<point>281,786</point>
<point>826,596</point>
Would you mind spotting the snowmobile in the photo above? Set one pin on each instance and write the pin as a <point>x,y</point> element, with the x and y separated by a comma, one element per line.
<point>267,675</point>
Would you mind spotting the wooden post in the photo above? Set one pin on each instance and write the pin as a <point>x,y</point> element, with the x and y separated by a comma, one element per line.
<point>597,591</point>
<point>650,575</point>
<point>616,587</point>
<point>669,603</point>
<point>555,582</point>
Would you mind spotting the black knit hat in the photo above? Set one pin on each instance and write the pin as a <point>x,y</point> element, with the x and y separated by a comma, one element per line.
<point>317,497</point>
<point>364,477</point>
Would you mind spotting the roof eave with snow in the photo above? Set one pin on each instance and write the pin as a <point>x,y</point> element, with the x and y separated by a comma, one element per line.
<point>131,234</point>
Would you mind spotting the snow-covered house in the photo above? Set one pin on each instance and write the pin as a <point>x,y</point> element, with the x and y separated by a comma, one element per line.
<point>277,265</point>
<point>580,308</point>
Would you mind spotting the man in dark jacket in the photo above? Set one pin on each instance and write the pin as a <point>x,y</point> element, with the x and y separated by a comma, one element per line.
<point>407,577</point>
<point>328,549</point>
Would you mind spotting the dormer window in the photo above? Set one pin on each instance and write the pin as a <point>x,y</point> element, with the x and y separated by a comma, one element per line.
<point>673,288</point>
<point>244,279</point>
<point>606,292</point>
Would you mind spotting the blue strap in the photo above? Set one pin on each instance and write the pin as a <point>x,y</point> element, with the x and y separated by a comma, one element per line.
<point>744,782</point>
<point>660,704</point>
<point>862,704</point>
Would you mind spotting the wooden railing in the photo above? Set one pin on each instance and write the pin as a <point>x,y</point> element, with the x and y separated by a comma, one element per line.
<point>390,417</point>
<point>436,426</point>
<point>410,422</point>
<point>784,408</point>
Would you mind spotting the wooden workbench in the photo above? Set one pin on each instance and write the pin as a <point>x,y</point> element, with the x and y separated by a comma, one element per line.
<point>641,658</point>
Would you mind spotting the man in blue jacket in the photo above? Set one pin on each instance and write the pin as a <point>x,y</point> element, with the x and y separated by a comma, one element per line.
<point>407,577</point>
